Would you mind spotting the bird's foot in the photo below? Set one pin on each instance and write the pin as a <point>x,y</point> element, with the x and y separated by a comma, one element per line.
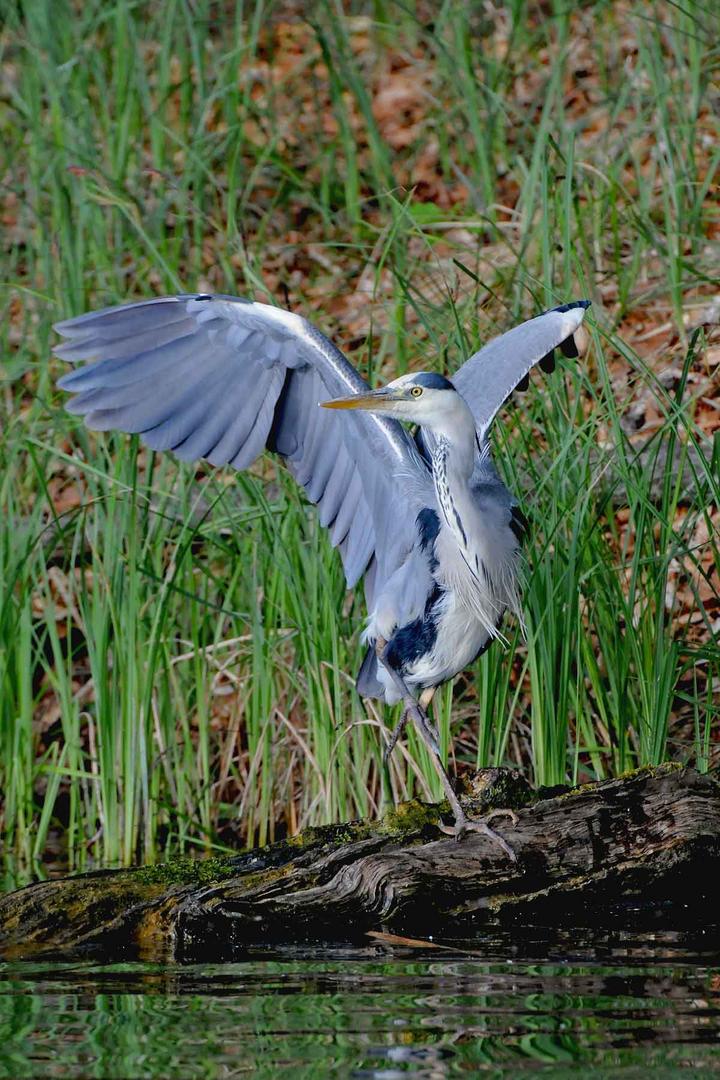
<point>463,825</point>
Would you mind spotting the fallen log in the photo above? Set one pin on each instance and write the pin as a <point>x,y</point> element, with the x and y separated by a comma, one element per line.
<point>633,850</point>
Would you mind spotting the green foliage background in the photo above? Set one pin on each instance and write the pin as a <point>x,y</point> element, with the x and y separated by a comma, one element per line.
<point>177,649</point>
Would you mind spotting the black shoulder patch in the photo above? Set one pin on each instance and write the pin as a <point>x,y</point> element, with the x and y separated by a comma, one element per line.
<point>416,639</point>
<point>428,524</point>
<point>432,381</point>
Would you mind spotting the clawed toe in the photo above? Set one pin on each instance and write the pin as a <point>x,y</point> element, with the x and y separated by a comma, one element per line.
<point>463,825</point>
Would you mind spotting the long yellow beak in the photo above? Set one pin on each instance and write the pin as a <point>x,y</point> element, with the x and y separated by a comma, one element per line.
<point>360,401</point>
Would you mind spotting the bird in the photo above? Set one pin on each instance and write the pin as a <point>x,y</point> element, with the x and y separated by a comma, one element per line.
<point>419,513</point>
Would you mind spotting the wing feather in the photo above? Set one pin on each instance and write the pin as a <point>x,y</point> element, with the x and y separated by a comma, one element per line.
<point>124,372</point>
<point>490,375</point>
<point>256,441</point>
<point>120,346</point>
<point>343,521</point>
<point>337,484</point>
<point>223,378</point>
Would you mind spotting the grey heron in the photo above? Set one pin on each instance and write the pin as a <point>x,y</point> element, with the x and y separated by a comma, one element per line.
<point>424,519</point>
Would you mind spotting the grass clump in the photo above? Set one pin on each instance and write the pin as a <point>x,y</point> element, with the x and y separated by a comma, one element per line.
<point>177,644</point>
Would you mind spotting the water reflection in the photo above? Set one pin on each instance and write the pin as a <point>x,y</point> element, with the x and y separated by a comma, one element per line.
<point>500,1006</point>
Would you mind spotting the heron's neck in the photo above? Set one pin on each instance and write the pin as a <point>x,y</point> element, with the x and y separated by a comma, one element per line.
<point>452,460</point>
<point>455,440</point>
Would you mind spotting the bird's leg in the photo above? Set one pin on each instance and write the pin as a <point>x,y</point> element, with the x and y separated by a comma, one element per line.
<point>424,700</point>
<point>414,712</point>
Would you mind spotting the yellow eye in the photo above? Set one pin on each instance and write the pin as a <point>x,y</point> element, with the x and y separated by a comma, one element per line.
<point>416,391</point>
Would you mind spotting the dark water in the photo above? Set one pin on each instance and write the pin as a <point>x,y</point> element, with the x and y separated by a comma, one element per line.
<point>610,1005</point>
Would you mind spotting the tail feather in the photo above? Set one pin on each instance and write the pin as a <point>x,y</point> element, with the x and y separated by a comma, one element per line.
<point>368,684</point>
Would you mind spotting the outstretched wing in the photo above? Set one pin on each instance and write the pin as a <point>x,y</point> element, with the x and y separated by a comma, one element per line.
<point>490,375</point>
<point>222,378</point>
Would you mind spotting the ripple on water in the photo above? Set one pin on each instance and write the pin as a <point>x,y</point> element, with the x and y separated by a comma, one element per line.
<point>618,1004</point>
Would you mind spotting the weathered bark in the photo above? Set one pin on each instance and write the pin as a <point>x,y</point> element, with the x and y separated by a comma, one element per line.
<point>633,848</point>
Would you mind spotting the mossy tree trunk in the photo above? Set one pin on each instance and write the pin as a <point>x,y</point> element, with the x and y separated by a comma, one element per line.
<point>642,847</point>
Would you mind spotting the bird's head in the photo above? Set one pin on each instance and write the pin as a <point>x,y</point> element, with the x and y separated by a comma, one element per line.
<point>423,398</point>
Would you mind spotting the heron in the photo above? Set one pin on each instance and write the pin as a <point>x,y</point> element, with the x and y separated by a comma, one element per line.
<point>420,513</point>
